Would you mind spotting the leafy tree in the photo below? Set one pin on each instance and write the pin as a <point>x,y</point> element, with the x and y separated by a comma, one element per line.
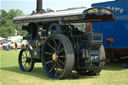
<point>7,27</point>
<point>13,13</point>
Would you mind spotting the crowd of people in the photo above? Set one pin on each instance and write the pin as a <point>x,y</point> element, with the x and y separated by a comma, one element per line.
<point>9,45</point>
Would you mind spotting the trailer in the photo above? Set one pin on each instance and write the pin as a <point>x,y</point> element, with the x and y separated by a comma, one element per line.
<point>115,33</point>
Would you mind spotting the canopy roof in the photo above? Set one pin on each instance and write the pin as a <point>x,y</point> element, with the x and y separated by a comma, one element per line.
<point>70,15</point>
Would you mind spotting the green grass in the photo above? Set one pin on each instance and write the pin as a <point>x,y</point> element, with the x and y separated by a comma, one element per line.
<point>10,74</point>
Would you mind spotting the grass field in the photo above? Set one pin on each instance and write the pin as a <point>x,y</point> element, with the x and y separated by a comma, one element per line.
<point>10,74</point>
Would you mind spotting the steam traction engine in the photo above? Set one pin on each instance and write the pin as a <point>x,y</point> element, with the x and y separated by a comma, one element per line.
<point>64,41</point>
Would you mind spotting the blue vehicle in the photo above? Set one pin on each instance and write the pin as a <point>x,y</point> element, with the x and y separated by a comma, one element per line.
<point>115,33</point>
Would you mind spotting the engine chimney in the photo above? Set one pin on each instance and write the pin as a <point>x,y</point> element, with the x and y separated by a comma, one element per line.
<point>39,7</point>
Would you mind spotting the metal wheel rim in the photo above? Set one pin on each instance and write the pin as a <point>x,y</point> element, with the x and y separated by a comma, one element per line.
<point>54,67</point>
<point>25,60</point>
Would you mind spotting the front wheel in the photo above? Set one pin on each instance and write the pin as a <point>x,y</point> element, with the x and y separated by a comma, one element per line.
<point>26,62</point>
<point>99,65</point>
<point>58,56</point>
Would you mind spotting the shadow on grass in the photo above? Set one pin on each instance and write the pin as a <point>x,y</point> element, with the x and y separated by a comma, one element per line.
<point>40,73</point>
<point>114,66</point>
<point>37,72</point>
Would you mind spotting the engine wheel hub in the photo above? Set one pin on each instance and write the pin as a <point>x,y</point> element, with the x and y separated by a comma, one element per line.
<point>55,57</point>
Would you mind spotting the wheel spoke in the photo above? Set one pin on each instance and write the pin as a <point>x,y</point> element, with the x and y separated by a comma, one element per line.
<point>25,65</point>
<point>59,65</point>
<point>23,55</point>
<point>62,56</point>
<point>56,70</point>
<point>48,53</point>
<point>29,64</point>
<point>51,61</point>
<point>29,54</point>
<point>55,42</point>
<point>51,47</point>
<point>52,68</point>
<point>24,60</point>
<point>58,47</point>
<point>61,61</point>
<point>28,67</point>
<point>26,53</point>
<point>60,50</point>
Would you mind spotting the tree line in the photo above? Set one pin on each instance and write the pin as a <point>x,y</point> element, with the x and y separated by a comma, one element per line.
<point>7,27</point>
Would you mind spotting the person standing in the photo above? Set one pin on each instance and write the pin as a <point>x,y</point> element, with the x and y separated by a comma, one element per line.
<point>9,46</point>
<point>88,27</point>
<point>5,45</point>
<point>22,44</point>
<point>15,45</point>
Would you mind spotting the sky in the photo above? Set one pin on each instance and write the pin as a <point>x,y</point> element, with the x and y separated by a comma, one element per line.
<point>27,6</point>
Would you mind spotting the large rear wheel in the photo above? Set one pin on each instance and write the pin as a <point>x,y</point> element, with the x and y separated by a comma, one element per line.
<point>58,56</point>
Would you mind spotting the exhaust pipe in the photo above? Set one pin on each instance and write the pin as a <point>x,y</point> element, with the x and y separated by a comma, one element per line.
<point>39,7</point>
